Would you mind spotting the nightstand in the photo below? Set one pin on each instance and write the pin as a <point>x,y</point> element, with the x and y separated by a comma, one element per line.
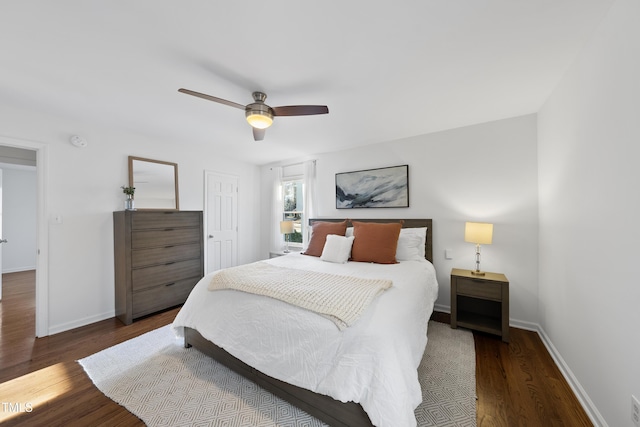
<point>480,302</point>
<point>273,254</point>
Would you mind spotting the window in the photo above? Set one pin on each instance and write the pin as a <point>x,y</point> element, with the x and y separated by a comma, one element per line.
<point>293,209</point>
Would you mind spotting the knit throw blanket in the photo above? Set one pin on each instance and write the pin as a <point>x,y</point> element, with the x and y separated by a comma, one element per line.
<point>342,299</point>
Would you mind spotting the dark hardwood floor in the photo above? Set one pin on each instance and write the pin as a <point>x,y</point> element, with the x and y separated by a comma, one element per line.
<point>41,384</point>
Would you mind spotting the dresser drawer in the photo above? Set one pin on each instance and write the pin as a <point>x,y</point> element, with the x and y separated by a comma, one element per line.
<point>147,277</point>
<point>165,219</point>
<point>479,289</point>
<point>164,237</point>
<point>160,297</point>
<point>165,254</point>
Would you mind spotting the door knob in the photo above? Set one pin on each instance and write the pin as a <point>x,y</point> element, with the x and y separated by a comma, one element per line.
<point>211,236</point>
<point>3,240</point>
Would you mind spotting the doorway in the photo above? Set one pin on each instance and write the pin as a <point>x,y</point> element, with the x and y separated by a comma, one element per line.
<point>10,145</point>
<point>17,211</point>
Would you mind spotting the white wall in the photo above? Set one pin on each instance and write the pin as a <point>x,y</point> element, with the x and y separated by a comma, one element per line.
<point>83,187</point>
<point>485,172</point>
<point>589,146</point>
<point>18,218</point>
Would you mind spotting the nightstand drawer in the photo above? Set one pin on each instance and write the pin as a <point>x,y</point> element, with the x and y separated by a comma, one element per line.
<point>479,289</point>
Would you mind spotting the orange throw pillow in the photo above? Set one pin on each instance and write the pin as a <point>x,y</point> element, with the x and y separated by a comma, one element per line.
<point>319,235</point>
<point>375,242</point>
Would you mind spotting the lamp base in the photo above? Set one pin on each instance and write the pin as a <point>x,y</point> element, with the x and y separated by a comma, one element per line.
<point>477,272</point>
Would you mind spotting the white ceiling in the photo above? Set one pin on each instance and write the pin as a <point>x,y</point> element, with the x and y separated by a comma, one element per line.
<point>386,69</point>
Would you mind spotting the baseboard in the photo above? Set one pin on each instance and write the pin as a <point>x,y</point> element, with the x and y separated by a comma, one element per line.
<point>56,329</point>
<point>582,396</point>
<point>442,308</point>
<point>527,326</point>
<point>18,269</point>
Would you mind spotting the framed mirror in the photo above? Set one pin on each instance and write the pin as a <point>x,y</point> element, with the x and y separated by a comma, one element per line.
<point>156,183</point>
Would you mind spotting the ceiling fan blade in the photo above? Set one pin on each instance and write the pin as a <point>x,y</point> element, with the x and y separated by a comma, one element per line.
<point>258,134</point>
<point>212,98</point>
<point>300,110</point>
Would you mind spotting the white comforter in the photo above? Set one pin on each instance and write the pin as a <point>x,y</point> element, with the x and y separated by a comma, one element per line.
<point>373,363</point>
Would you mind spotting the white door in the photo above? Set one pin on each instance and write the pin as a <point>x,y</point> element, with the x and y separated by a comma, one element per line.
<point>1,238</point>
<point>221,225</point>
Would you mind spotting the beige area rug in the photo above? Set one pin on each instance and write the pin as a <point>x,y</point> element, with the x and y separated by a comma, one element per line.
<point>164,384</point>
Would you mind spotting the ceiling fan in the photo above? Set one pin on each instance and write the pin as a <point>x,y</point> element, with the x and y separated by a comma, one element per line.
<point>260,115</point>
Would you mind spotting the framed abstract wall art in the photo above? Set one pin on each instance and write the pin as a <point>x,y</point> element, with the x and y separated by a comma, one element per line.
<point>373,188</point>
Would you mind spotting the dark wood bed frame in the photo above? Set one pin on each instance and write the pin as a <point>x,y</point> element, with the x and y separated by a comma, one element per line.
<point>325,408</point>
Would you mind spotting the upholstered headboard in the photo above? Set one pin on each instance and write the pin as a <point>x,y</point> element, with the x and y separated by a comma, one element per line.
<point>408,223</point>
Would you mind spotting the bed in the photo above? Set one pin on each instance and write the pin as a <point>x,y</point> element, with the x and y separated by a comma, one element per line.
<point>363,375</point>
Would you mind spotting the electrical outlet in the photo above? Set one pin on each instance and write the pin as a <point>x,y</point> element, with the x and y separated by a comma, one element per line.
<point>635,410</point>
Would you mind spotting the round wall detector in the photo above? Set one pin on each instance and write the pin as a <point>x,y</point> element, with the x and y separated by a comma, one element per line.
<point>78,141</point>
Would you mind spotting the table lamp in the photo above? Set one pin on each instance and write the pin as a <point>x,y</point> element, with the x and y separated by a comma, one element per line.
<point>286,228</point>
<point>480,233</point>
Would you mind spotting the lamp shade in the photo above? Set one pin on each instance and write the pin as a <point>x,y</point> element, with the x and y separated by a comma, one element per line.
<point>260,121</point>
<point>286,227</point>
<point>480,233</point>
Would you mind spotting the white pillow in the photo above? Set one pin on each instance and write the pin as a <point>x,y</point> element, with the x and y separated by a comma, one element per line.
<point>411,244</point>
<point>337,248</point>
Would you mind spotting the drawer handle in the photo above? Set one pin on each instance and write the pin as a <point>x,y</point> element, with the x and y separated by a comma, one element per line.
<point>170,284</point>
<point>168,246</point>
<point>168,229</point>
<point>169,263</point>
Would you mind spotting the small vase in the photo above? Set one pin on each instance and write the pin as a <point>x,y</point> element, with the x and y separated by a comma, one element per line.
<point>129,204</point>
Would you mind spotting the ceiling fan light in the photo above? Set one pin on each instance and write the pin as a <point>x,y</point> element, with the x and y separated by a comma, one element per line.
<point>259,119</point>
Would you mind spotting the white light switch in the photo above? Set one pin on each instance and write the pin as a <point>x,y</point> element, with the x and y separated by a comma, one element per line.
<point>448,254</point>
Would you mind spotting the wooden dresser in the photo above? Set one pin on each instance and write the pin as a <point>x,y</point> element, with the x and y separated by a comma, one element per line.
<point>159,257</point>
